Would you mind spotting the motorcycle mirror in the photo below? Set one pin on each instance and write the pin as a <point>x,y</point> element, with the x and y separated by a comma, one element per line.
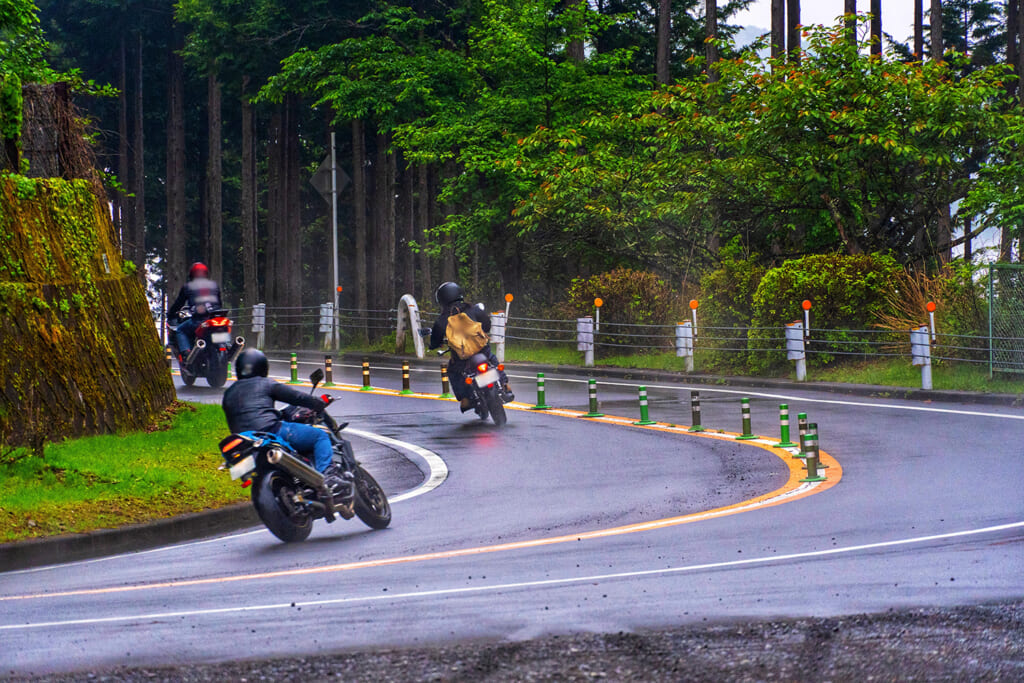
<point>317,376</point>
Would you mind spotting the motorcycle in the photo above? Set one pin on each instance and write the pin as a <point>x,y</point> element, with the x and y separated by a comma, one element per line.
<point>483,380</point>
<point>213,350</point>
<point>288,492</point>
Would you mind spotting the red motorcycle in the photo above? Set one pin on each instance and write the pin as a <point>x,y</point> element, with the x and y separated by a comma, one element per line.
<point>212,352</point>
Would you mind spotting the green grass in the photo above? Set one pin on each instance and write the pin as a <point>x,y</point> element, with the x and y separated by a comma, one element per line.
<point>108,481</point>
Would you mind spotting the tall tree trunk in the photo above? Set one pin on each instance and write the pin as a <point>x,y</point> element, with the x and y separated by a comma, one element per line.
<point>711,31</point>
<point>359,202</point>
<point>876,27</point>
<point>850,21</point>
<point>275,247</point>
<point>123,211</point>
<point>935,30</point>
<point>406,220</point>
<point>424,199</point>
<point>139,174</point>
<point>919,29</point>
<point>174,273</point>
<point>293,210</point>
<point>664,42</point>
<point>793,30</point>
<point>778,28</point>
<point>968,240</point>
<point>214,174</point>
<point>944,238</point>
<point>247,210</point>
<point>574,50</point>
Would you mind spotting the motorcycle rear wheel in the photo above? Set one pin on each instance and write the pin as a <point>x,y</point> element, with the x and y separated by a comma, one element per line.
<point>371,504</point>
<point>269,497</point>
<point>187,378</point>
<point>494,405</point>
<point>218,375</point>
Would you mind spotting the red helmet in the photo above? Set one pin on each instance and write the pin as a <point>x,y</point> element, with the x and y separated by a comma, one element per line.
<point>198,270</point>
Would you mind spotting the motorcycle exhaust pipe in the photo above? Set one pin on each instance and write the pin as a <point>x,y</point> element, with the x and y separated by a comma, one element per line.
<point>236,349</point>
<point>200,345</point>
<point>295,467</point>
<point>304,473</point>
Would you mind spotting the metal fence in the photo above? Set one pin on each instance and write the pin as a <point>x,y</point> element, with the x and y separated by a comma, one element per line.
<point>753,347</point>
<point>1006,318</point>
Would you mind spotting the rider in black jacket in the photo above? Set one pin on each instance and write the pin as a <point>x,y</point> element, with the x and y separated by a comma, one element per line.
<point>249,407</point>
<point>449,297</point>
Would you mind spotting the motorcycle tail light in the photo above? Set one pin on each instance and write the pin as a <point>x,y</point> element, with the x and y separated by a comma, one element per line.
<point>247,483</point>
<point>230,446</point>
<point>482,367</point>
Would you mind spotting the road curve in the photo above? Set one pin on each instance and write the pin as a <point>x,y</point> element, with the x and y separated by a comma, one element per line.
<point>559,523</point>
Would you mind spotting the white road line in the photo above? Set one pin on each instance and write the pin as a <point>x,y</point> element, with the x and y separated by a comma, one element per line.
<point>437,472</point>
<point>417,595</point>
<point>740,392</point>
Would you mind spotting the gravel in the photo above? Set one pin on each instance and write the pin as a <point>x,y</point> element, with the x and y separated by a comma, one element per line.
<point>976,643</point>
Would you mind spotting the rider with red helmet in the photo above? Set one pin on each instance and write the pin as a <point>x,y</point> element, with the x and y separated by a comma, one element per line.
<point>200,296</point>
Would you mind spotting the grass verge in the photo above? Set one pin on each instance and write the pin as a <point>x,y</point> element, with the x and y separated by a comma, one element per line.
<point>102,482</point>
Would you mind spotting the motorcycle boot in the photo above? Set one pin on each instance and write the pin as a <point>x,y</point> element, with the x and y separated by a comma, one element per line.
<point>339,482</point>
<point>465,405</point>
<point>506,394</point>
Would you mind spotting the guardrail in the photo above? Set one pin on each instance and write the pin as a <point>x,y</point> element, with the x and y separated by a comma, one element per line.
<point>283,328</point>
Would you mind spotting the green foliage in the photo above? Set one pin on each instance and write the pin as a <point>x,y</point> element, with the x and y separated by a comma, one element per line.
<point>840,151</point>
<point>10,106</point>
<point>726,304</point>
<point>848,294</point>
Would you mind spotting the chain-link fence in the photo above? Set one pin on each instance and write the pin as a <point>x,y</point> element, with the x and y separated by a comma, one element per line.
<point>1006,318</point>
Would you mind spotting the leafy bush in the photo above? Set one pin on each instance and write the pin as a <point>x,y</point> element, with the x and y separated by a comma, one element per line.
<point>630,297</point>
<point>725,311</point>
<point>848,295</point>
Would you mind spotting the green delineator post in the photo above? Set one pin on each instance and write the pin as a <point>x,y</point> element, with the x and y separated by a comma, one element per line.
<point>446,389</point>
<point>695,412</point>
<point>747,434</point>
<point>295,369</point>
<point>784,441</point>
<point>812,454</point>
<point>593,399</point>
<point>644,417</point>
<point>366,376</point>
<point>328,372</point>
<point>406,388</point>
<point>801,421</point>
<point>541,405</point>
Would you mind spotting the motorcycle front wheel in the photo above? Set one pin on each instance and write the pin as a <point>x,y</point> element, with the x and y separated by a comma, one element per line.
<point>271,496</point>
<point>371,504</point>
<point>494,405</point>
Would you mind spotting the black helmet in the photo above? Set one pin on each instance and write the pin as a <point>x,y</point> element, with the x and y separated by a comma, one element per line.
<point>448,293</point>
<point>251,363</point>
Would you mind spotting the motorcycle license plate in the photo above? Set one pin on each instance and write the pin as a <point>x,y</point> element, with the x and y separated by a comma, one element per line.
<point>487,378</point>
<point>242,467</point>
<point>220,337</point>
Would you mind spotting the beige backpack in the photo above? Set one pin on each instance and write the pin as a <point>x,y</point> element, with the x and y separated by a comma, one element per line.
<point>465,336</point>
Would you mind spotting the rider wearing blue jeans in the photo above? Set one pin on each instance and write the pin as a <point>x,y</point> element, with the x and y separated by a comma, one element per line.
<point>249,407</point>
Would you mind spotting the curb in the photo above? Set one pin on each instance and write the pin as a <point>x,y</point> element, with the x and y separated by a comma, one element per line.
<point>38,552</point>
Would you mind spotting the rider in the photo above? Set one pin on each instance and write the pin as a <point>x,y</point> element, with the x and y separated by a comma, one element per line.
<point>449,297</point>
<point>249,407</point>
<point>200,296</point>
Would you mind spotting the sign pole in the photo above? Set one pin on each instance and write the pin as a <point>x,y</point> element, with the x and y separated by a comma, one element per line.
<point>334,239</point>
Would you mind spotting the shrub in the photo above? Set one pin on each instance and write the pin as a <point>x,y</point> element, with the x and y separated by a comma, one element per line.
<point>630,297</point>
<point>848,295</point>
<point>726,308</point>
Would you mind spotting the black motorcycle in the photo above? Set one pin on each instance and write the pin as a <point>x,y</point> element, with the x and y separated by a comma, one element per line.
<point>288,492</point>
<point>212,352</point>
<point>483,383</point>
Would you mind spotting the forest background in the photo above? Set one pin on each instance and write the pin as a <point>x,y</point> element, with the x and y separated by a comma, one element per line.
<point>529,146</point>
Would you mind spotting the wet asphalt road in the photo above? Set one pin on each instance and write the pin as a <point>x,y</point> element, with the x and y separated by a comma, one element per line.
<point>928,513</point>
